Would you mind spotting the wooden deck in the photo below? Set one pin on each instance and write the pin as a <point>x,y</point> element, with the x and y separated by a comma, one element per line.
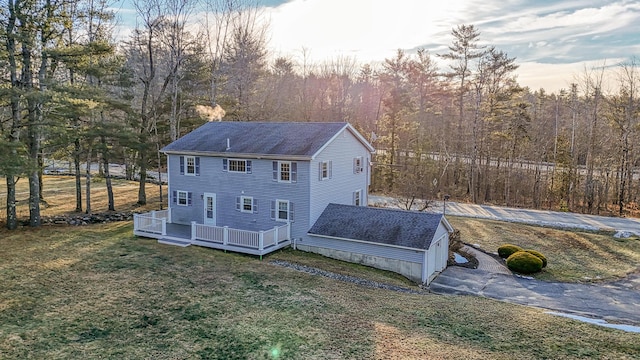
<point>156,225</point>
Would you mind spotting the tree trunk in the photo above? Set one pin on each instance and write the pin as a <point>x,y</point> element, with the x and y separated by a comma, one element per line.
<point>107,174</point>
<point>78,174</point>
<point>40,174</point>
<point>14,135</point>
<point>87,182</point>
<point>12,217</point>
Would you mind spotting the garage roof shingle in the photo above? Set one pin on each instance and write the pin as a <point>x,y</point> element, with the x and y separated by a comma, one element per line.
<point>410,229</point>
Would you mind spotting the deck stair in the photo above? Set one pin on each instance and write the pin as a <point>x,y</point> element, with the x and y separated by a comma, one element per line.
<point>174,242</point>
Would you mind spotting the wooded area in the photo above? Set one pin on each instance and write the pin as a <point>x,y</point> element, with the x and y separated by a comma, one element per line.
<point>71,91</point>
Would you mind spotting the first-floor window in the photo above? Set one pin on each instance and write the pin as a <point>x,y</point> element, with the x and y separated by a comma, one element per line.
<point>182,198</point>
<point>357,198</point>
<point>282,210</point>
<point>246,204</point>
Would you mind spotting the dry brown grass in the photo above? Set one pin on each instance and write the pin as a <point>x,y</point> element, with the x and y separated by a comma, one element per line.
<point>572,255</point>
<point>98,292</point>
<point>59,194</point>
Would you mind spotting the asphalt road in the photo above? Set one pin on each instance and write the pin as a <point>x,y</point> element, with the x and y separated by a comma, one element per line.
<point>527,216</point>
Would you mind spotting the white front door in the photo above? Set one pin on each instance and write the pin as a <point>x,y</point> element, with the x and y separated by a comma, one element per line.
<point>210,209</point>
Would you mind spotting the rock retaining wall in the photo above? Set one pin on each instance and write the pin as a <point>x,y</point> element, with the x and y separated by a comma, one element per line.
<point>85,219</point>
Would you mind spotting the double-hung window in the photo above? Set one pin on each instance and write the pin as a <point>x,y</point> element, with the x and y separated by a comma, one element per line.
<point>247,204</point>
<point>236,165</point>
<point>358,167</point>
<point>357,198</point>
<point>190,165</point>
<point>285,171</point>
<point>324,170</point>
<point>182,198</point>
<point>282,210</point>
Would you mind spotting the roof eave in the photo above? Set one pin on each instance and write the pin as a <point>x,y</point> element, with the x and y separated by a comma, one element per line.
<point>447,224</point>
<point>238,155</point>
<point>368,242</point>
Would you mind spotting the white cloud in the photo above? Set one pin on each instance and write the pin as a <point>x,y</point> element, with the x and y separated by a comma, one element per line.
<point>368,30</point>
<point>551,40</point>
<point>554,77</point>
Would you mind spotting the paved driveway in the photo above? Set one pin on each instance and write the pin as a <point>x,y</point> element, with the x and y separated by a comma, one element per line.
<point>613,302</point>
<point>539,217</point>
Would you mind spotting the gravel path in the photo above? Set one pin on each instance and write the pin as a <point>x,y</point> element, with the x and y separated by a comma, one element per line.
<point>345,278</point>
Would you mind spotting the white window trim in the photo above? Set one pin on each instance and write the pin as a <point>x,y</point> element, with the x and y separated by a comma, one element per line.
<point>280,163</point>
<point>236,171</point>
<point>186,165</point>
<point>358,166</point>
<point>278,201</point>
<point>242,199</point>
<point>357,197</point>
<point>178,197</point>
<point>328,164</point>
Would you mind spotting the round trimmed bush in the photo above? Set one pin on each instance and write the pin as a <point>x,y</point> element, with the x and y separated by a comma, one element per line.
<point>506,250</point>
<point>524,263</point>
<point>539,255</point>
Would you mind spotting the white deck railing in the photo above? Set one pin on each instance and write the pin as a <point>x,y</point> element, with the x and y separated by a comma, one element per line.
<point>251,239</point>
<point>149,223</point>
<point>162,214</point>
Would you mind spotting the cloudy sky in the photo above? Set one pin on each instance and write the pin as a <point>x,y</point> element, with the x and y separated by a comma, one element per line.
<point>553,41</point>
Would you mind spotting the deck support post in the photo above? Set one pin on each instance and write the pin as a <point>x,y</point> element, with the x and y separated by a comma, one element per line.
<point>169,214</point>
<point>261,240</point>
<point>164,226</point>
<point>193,230</point>
<point>225,236</point>
<point>136,223</point>
<point>275,234</point>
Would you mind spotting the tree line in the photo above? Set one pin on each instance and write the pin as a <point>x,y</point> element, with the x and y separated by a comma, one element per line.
<point>469,130</point>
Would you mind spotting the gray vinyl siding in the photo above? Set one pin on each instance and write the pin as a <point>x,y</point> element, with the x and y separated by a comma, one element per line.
<point>372,249</point>
<point>229,185</point>
<point>343,182</point>
<point>440,231</point>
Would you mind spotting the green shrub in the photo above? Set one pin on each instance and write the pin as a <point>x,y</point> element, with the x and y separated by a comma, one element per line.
<point>507,249</point>
<point>540,256</point>
<point>524,263</point>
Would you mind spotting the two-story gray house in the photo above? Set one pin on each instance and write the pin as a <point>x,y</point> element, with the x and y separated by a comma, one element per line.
<point>255,187</point>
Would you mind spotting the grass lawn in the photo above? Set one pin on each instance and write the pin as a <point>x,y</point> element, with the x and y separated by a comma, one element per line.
<point>59,194</point>
<point>98,292</point>
<point>573,256</point>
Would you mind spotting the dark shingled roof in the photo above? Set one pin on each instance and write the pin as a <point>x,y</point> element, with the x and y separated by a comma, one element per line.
<point>260,138</point>
<point>386,226</point>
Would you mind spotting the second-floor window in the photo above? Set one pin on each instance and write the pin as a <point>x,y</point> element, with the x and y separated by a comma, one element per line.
<point>190,165</point>
<point>285,171</point>
<point>324,171</point>
<point>236,165</point>
<point>357,165</point>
